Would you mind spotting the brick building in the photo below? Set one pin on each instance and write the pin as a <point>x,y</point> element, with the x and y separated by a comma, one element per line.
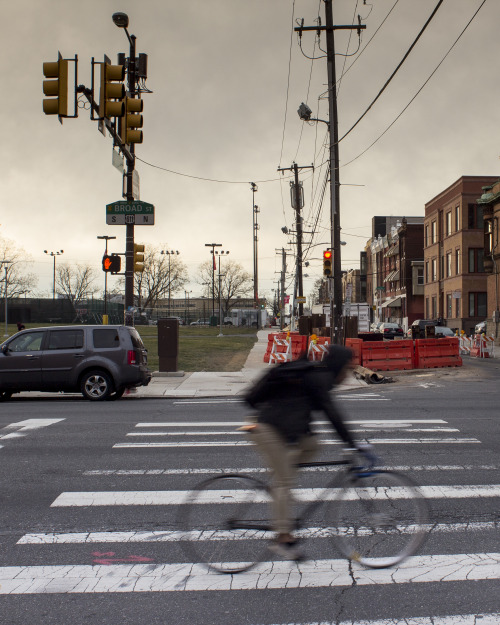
<point>455,281</point>
<point>394,261</point>
<point>490,203</point>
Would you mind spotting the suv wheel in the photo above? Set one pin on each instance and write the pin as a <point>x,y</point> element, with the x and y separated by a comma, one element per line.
<point>117,394</point>
<point>96,385</point>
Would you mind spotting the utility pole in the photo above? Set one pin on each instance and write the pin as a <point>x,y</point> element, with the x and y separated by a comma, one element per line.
<point>255,227</point>
<point>212,251</point>
<point>281,286</point>
<point>336,279</point>
<point>297,196</point>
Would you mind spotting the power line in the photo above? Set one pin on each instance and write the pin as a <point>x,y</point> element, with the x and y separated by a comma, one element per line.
<point>421,88</point>
<point>388,81</point>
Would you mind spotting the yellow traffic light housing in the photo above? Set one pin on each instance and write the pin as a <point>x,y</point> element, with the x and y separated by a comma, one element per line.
<point>327,263</point>
<point>131,121</point>
<point>56,87</point>
<point>138,258</point>
<point>112,94</point>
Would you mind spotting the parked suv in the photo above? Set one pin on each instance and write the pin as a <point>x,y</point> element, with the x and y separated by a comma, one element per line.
<point>98,361</point>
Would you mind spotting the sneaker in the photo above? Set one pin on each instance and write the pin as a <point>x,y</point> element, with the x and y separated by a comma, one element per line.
<point>289,551</point>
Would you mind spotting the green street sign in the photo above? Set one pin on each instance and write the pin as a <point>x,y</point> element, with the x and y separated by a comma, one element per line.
<point>136,212</point>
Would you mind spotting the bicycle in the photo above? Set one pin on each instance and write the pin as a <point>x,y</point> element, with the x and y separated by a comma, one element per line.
<point>376,517</point>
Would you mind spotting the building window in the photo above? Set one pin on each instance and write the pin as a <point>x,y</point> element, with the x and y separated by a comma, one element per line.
<point>488,236</point>
<point>457,218</point>
<point>434,270</point>
<point>426,272</point>
<point>433,232</point>
<point>433,307</point>
<point>448,223</point>
<point>457,261</point>
<point>477,304</point>
<point>449,309</point>
<point>448,264</point>
<point>457,307</point>
<point>476,260</point>
<point>426,235</point>
<point>475,216</point>
<point>420,276</point>
<point>427,308</point>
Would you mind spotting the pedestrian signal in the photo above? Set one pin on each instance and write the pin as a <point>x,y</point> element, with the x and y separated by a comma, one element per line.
<point>111,263</point>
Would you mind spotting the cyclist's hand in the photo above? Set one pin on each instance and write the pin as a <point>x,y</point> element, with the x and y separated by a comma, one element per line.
<point>367,452</point>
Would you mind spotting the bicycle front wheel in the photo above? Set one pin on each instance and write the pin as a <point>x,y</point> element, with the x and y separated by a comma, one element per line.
<point>380,518</point>
<point>225,523</point>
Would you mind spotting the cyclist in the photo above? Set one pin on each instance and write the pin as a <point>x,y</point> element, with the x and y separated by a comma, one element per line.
<point>284,399</point>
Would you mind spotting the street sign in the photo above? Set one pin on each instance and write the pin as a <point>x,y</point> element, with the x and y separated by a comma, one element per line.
<point>300,299</point>
<point>122,212</point>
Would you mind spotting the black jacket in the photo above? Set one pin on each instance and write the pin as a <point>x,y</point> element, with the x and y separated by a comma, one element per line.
<point>286,396</point>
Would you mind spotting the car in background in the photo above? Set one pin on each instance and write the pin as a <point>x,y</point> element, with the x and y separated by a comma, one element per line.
<point>442,331</point>
<point>391,331</point>
<point>200,322</point>
<point>100,362</point>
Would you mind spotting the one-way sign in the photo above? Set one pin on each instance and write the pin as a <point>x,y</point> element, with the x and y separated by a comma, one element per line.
<point>137,212</point>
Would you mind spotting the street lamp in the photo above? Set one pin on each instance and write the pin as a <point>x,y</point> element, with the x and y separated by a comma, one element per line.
<point>221,253</point>
<point>255,227</point>
<point>186,312</point>
<point>106,238</point>
<point>6,264</point>
<point>212,251</point>
<point>54,254</point>
<point>169,253</point>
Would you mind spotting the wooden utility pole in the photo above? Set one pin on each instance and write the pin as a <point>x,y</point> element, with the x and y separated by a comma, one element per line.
<point>336,279</point>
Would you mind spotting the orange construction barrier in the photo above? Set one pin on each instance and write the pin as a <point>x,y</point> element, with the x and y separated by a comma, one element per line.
<point>318,346</point>
<point>356,345</point>
<point>387,355</point>
<point>433,353</point>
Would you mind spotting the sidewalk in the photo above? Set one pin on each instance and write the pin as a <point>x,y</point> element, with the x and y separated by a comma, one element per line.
<point>220,384</point>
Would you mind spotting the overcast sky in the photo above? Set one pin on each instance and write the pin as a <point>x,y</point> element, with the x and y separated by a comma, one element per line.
<point>228,77</point>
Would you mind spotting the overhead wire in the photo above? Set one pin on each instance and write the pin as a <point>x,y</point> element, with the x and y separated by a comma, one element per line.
<point>388,81</point>
<point>421,88</point>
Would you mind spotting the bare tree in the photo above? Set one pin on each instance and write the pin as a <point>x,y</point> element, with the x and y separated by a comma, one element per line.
<point>76,282</point>
<point>163,276</point>
<point>19,281</point>
<point>236,283</point>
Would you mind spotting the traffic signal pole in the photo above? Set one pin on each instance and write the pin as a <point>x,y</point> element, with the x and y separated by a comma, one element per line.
<point>129,235</point>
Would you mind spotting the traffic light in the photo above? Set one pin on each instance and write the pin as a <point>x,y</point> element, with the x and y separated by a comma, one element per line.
<point>56,88</point>
<point>111,263</point>
<point>131,121</point>
<point>112,94</point>
<point>138,258</point>
<point>327,263</point>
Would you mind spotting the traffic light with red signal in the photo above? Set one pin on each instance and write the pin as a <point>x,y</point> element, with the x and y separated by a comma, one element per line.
<point>327,263</point>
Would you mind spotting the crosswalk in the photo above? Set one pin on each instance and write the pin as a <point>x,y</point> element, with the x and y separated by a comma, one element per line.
<point>126,560</point>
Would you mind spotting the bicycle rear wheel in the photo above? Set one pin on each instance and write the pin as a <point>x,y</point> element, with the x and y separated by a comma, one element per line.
<point>225,523</point>
<point>380,518</point>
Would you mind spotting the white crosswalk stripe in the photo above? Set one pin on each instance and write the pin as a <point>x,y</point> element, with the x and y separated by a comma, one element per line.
<point>111,574</point>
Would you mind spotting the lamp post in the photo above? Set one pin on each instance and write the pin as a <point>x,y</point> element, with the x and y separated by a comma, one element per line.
<point>186,312</point>
<point>212,251</point>
<point>106,238</point>
<point>255,227</point>
<point>169,253</point>
<point>121,21</point>
<point>221,253</point>
<point>54,254</point>
<point>6,264</point>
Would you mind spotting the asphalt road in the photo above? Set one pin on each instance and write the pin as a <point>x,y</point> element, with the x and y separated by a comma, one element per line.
<point>55,569</point>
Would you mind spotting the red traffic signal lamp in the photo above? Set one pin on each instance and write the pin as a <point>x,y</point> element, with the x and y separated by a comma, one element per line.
<point>327,263</point>
<point>111,263</point>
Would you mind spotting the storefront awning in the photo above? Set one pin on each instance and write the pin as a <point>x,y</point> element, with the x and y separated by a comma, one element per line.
<point>395,302</point>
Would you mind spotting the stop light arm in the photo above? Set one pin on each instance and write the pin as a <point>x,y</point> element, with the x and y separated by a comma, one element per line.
<point>109,125</point>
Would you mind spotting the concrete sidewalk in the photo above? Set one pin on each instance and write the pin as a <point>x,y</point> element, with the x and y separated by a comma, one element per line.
<point>220,384</point>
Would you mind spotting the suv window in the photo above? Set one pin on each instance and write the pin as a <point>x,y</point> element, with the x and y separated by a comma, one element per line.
<point>65,339</point>
<point>28,342</point>
<point>107,337</point>
<point>136,339</point>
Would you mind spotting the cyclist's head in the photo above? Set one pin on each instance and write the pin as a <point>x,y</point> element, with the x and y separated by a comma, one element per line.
<point>336,360</point>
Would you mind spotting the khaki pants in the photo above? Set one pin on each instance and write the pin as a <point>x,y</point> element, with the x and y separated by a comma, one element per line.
<point>282,458</point>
